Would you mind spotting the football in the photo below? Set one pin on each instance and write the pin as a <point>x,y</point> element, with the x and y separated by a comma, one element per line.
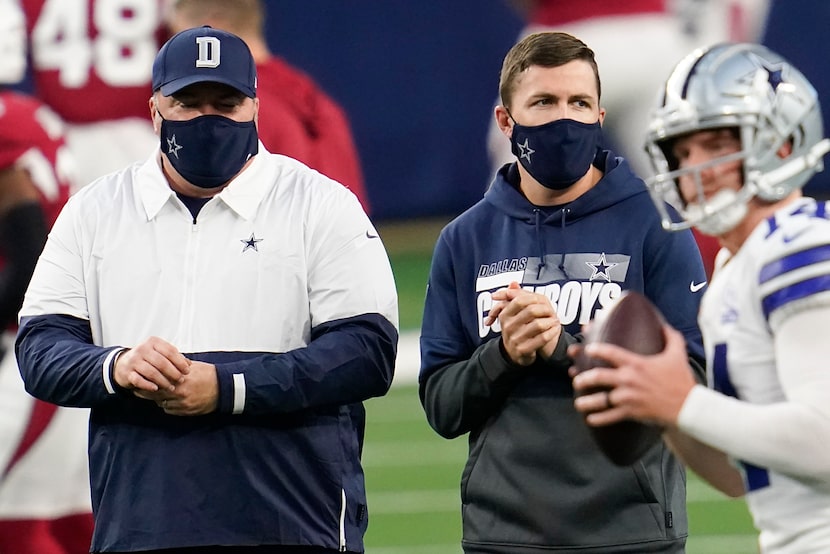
<point>636,324</point>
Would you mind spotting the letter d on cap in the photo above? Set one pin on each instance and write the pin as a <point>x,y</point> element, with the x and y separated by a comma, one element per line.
<point>208,52</point>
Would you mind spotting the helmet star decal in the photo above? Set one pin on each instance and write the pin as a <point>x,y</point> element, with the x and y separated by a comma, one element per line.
<point>769,102</point>
<point>250,243</point>
<point>775,77</point>
<point>769,75</point>
<point>173,147</point>
<point>526,151</point>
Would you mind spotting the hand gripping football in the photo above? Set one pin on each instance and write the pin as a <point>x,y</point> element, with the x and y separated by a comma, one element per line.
<point>634,323</point>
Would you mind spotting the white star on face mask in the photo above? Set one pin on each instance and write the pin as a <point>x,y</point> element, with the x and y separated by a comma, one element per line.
<point>172,147</point>
<point>526,151</point>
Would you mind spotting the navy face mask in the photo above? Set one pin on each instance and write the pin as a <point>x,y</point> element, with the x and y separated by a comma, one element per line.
<point>210,149</point>
<point>557,154</point>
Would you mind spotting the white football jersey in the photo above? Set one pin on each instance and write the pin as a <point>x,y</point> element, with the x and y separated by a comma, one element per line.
<point>781,270</point>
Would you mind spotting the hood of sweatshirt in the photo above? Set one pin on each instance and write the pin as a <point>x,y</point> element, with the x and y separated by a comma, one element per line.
<point>618,184</point>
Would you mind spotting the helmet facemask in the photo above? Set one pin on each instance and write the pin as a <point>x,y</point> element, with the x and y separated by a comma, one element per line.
<point>748,88</point>
<point>715,215</point>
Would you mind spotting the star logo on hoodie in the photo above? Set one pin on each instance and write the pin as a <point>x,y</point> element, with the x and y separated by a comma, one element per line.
<point>525,151</point>
<point>601,268</point>
<point>173,147</point>
<point>250,243</point>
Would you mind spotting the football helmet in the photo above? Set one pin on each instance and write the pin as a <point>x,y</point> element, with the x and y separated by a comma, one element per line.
<point>768,102</point>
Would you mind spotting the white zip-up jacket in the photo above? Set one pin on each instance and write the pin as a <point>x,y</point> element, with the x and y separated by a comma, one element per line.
<point>282,282</point>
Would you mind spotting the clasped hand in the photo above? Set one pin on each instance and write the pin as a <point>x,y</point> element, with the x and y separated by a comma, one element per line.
<point>155,370</point>
<point>529,324</point>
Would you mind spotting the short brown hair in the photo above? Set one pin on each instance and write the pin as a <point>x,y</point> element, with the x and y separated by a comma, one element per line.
<point>547,49</point>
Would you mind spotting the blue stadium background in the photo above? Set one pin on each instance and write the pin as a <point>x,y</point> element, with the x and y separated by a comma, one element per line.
<point>418,79</point>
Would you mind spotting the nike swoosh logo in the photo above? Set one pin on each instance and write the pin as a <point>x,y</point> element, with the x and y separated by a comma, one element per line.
<point>694,287</point>
<point>370,235</point>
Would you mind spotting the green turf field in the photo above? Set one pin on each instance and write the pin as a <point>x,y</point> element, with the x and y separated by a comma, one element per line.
<point>412,478</point>
<point>412,474</point>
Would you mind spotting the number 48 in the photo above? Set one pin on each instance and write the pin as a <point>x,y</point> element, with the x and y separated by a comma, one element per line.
<point>121,53</point>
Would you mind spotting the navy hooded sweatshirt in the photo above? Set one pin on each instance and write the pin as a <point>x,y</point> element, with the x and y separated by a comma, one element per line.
<point>534,480</point>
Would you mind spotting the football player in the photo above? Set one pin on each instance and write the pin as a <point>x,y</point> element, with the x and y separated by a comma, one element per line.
<point>91,62</point>
<point>44,483</point>
<point>737,134</point>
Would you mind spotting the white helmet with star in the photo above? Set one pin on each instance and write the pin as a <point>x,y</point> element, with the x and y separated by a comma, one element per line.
<point>766,99</point>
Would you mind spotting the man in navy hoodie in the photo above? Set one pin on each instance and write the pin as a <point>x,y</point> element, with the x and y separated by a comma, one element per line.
<point>559,235</point>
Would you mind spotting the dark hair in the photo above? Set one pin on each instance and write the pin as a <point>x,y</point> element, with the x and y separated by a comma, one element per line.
<point>548,49</point>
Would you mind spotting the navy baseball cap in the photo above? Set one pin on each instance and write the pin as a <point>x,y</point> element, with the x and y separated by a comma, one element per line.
<point>204,54</point>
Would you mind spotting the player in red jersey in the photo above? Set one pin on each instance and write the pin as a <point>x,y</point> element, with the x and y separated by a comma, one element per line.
<point>44,483</point>
<point>91,63</point>
<point>296,117</point>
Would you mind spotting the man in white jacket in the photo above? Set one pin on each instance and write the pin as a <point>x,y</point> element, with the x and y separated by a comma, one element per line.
<point>224,312</point>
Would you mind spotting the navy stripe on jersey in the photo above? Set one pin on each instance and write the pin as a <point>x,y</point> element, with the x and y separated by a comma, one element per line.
<point>795,261</point>
<point>720,372</point>
<point>798,289</point>
<point>755,477</point>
